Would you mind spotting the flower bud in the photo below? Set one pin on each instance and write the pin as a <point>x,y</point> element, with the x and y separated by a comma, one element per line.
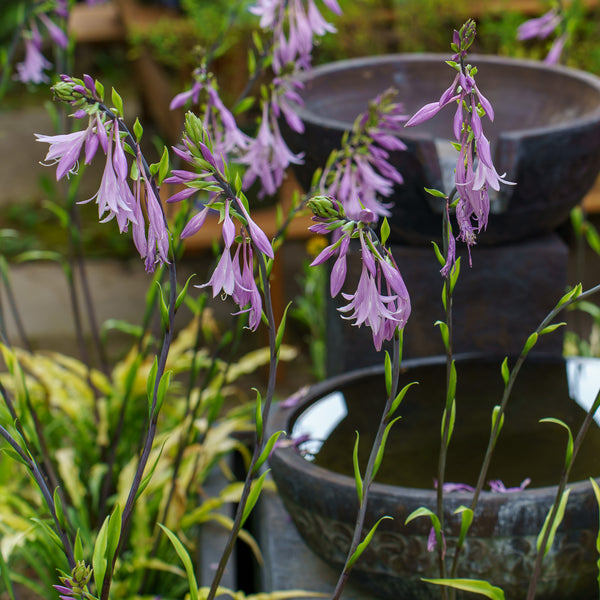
<point>326,207</point>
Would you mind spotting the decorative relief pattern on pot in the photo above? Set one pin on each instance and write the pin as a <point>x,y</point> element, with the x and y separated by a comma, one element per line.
<point>507,561</point>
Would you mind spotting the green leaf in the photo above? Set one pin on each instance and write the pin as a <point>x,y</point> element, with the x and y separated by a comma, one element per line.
<point>451,392</point>
<point>117,102</point>
<point>495,413</point>
<point>551,328</point>
<point>466,520</point>
<point>483,588</point>
<point>78,547</point>
<point>424,512</point>
<point>399,398</point>
<point>183,292</point>
<point>163,166</point>
<point>138,130</point>
<point>151,384</point>
<point>388,374</point>
<point>381,449</point>
<point>99,89</point>
<point>356,467</point>
<point>530,343</point>
<point>363,545</point>
<point>451,422</point>
<point>443,332</point>
<point>554,525</point>
<point>99,555</point>
<point>266,452</point>
<point>185,559</point>
<point>570,295</point>
<point>505,371</point>
<point>454,273</point>
<point>258,414</point>
<point>385,230</point>
<point>253,496</point>
<point>569,451</point>
<point>281,329</point>
<point>113,533</point>
<point>58,507</point>
<point>436,193</point>
<point>164,309</point>
<point>438,254</point>
<point>161,392</point>
<point>243,105</point>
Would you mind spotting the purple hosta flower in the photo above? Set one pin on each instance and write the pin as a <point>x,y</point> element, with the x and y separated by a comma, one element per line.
<point>475,173</point>
<point>233,275</point>
<point>540,27</point>
<point>294,24</point>
<point>115,198</point>
<point>498,486</point>
<point>450,487</point>
<point>432,541</point>
<point>31,70</point>
<point>65,149</point>
<point>553,56</point>
<point>268,156</point>
<point>381,301</point>
<point>217,118</point>
<point>360,174</point>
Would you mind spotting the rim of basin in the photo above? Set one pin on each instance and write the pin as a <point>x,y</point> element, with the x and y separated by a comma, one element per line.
<point>290,456</point>
<point>588,112</point>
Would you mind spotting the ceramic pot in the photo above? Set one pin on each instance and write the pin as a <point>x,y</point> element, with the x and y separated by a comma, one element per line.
<point>501,547</point>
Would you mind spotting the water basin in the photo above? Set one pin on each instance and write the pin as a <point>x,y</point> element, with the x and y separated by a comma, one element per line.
<point>317,487</point>
<point>545,136</point>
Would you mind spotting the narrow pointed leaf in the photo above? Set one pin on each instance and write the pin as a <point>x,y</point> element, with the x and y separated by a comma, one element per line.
<point>483,588</point>
<point>356,467</point>
<point>363,545</point>
<point>381,449</point>
<point>554,525</point>
<point>398,400</point>
<point>388,374</point>
<point>505,371</point>
<point>253,496</point>
<point>185,559</point>
<point>266,452</point>
<point>569,451</point>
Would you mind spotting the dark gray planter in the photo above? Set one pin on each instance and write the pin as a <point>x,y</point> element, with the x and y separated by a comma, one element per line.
<point>501,547</point>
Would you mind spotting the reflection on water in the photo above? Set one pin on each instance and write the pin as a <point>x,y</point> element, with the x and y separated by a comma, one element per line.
<point>526,447</point>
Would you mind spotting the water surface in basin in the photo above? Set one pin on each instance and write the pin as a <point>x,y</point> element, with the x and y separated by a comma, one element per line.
<point>526,447</point>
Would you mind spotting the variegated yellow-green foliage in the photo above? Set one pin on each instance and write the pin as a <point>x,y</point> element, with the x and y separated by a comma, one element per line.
<point>87,421</point>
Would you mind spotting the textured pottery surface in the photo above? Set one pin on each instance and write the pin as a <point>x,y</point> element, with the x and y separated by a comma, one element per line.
<point>545,136</point>
<point>501,546</point>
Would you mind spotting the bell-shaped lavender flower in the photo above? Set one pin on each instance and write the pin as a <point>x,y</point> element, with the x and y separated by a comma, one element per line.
<point>381,301</point>
<point>31,70</point>
<point>267,156</point>
<point>294,25</point>
<point>115,199</point>
<point>540,27</point>
<point>475,172</point>
<point>234,274</point>
<point>360,174</point>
